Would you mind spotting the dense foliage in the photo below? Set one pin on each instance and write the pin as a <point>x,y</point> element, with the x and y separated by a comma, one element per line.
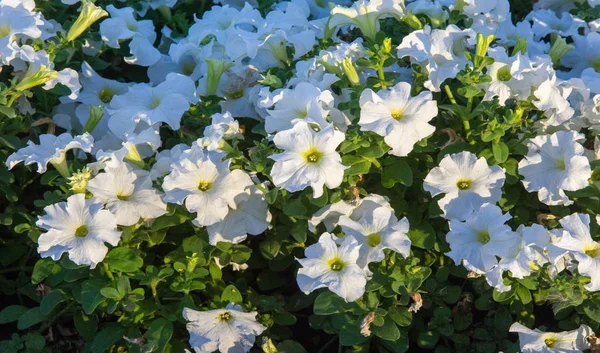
<point>299,176</point>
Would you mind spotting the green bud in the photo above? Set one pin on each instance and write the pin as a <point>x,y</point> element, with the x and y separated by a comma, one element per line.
<point>350,71</point>
<point>521,46</point>
<point>483,43</point>
<point>133,155</point>
<point>89,14</point>
<point>165,11</point>
<point>386,47</point>
<point>216,68</point>
<point>96,113</point>
<point>268,346</point>
<point>559,48</point>
<point>271,81</point>
<point>40,77</point>
<point>413,21</point>
<point>62,166</point>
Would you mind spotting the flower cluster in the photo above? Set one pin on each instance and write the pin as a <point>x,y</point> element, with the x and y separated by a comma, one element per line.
<point>358,147</point>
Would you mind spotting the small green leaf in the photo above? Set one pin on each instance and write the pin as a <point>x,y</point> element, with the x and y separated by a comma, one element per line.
<point>328,303</point>
<point>159,333</point>
<point>107,337</point>
<point>85,325</point>
<point>42,269</point>
<point>388,331</point>
<point>51,300</point>
<point>289,346</point>
<point>12,313</point>
<point>110,293</point>
<point>91,296</point>
<point>500,151</point>
<point>31,317</point>
<point>124,259</point>
<point>397,172</point>
<point>231,295</point>
<point>422,236</point>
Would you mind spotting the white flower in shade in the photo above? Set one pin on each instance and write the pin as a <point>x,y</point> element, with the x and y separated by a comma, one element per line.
<point>251,216</point>
<point>328,266</point>
<point>304,102</point>
<point>467,183</point>
<point>165,158</point>
<point>402,120</point>
<point>547,21</point>
<point>79,227</point>
<point>330,214</point>
<point>128,194</point>
<point>122,25</point>
<point>536,341</point>
<point>526,252</point>
<point>228,330</point>
<point>375,231</point>
<point>206,185</point>
<point>553,164</point>
<point>309,159</point>
<point>164,103</point>
<point>96,89</point>
<point>223,127</point>
<point>366,15</point>
<point>52,149</point>
<point>576,240</point>
<point>16,20</point>
<point>585,55</point>
<point>476,241</point>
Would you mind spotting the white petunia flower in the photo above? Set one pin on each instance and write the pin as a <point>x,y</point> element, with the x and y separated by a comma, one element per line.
<point>355,210</point>
<point>16,20</point>
<point>164,103</point>
<point>375,231</point>
<point>79,227</point>
<point>555,163</point>
<point>467,183</point>
<point>251,216</point>
<point>547,21</point>
<point>366,15</point>
<point>305,102</point>
<point>536,341</point>
<point>309,159</point>
<point>228,330</point>
<point>206,185</point>
<point>223,127</point>
<point>585,55</point>
<point>165,158</point>
<point>328,266</point>
<point>52,149</point>
<point>128,194</point>
<point>476,241</point>
<point>526,252</point>
<point>402,120</point>
<point>577,241</point>
<point>96,89</point>
<point>122,25</point>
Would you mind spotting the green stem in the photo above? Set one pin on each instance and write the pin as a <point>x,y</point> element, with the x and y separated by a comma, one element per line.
<point>450,95</point>
<point>108,273</point>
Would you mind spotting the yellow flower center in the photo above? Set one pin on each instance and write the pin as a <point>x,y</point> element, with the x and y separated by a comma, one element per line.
<point>236,95</point>
<point>483,237</point>
<point>596,65</point>
<point>504,74</point>
<point>550,341</point>
<point>226,316</point>
<point>81,231</point>
<point>336,264</point>
<point>560,164</point>
<point>106,95</point>
<point>312,155</point>
<point>122,197</point>
<point>204,185</point>
<point>302,113</point>
<point>374,239</point>
<point>397,114</point>
<point>463,184</point>
<point>188,69</point>
<point>4,30</point>
<point>155,103</point>
<point>592,251</point>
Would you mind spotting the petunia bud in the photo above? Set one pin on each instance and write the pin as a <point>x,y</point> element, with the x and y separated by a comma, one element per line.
<point>559,48</point>
<point>43,75</point>
<point>89,14</point>
<point>350,71</point>
<point>216,68</point>
<point>96,113</point>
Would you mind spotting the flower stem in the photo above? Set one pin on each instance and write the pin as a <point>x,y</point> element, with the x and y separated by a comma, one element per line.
<point>108,273</point>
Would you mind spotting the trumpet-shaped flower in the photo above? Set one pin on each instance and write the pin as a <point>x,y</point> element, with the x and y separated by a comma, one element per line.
<point>228,330</point>
<point>309,159</point>
<point>476,241</point>
<point>536,341</point>
<point>52,149</point>
<point>467,183</point>
<point>206,185</point>
<point>128,194</point>
<point>375,231</point>
<point>366,15</point>
<point>330,214</point>
<point>251,216</point>
<point>328,266</point>
<point>526,252</point>
<point>402,120</point>
<point>15,20</point>
<point>78,227</point>
<point>553,164</point>
<point>577,241</point>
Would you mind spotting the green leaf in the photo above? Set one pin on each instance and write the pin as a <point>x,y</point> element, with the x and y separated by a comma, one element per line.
<point>168,221</point>
<point>592,310</point>
<point>289,346</point>
<point>42,269</point>
<point>51,300</point>
<point>34,342</point>
<point>85,325</point>
<point>500,151</point>
<point>124,259</point>
<point>91,296</point>
<point>294,209</point>
<point>110,293</point>
<point>269,248</point>
<point>388,331</point>
<point>400,315</point>
<point>398,172</point>
<point>12,313</point>
<point>376,151</point>
<point>107,337</point>
<point>503,296</point>
<point>524,294</point>
<point>231,295</point>
<point>422,236</point>
<point>362,167</point>
<point>31,317</point>
<point>328,303</point>
<point>428,339</point>
<point>159,333</point>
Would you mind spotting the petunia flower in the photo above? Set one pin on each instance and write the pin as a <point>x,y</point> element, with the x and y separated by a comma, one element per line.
<point>476,241</point>
<point>576,240</point>
<point>228,330</point>
<point>202,181</point>
<point>16,20</point>
<point>328,266</point>
<point>553,164</point>
<point>467,182</point>
<point>79,227</point>
<point>365,14</point>
<point>536,341</point>
<point>52,149</point>
<point>309,159</point>
<point>128,194</point>
<point>375,231</point>
<point>401,119</point>
<point>329,215</point>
